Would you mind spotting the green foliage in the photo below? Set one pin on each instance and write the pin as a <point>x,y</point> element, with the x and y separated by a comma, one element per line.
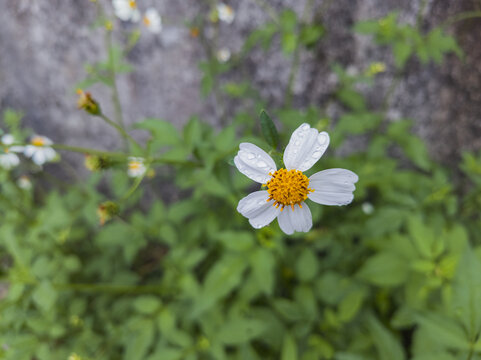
<point>179,274</point>
<point>407,40</point>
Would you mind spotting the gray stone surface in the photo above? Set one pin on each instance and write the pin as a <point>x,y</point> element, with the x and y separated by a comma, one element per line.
<point>44,45</point>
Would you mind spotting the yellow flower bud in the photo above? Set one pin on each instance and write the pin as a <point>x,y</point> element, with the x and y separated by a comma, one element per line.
<point>86,102</point>
<point>106,211</point>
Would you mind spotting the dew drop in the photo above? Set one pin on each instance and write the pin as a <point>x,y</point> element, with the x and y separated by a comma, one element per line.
<point>250,156</point>
<point>305,127</point>
<point>322,139</point>
<point>261,164</point>
<point>316,154</point>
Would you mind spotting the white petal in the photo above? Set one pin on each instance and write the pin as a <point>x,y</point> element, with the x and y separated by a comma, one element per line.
<point>299,219</point>
<point>305,147</point>
<point>13,159</point>
<point>257,209</point>
<point>49,154</point>
<point>333,186</point>
<point>29,150</point>
<point>39,157</point>
<point>8,139</point>
<point>254,163</point>
<point>17,148</point>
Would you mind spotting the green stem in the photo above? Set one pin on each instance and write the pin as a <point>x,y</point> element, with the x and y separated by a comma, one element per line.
<point>419,17</point>
<point>459,17</point>
<point>134,186</point>
<point>87,150</point>
<point>120,129</point>
<point>111,288</point>
<point>115,92</point>
<point>268,9</point>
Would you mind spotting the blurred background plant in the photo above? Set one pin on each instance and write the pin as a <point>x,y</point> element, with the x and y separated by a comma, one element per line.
<point>147,257</point>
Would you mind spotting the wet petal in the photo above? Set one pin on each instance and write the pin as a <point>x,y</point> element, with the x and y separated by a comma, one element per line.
<point>254,163</point>
<point>257,209</point>
<point>333,186</point>
<point>305,148</point>
<point>299,219</point>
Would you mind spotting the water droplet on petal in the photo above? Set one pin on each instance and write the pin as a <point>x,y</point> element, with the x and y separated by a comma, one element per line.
<point>250,156</point>
<point>316,154</point>
<point>261,164</point>
<point>305,127</point>
<point>322,139</point>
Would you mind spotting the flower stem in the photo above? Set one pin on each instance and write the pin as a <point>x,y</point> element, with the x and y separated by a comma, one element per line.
<point>120,129</point>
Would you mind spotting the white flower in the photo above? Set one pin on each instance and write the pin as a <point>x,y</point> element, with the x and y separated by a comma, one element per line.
<point>223,55</point>
<point>367,208</point>
<point>225,13</point>
<point>126,10</point>
<point>24,182</point>
<point>8,159</point>
<point>136,167</point>
<point>288,188</point>
<point>39,150</point>
<point>153,21</point>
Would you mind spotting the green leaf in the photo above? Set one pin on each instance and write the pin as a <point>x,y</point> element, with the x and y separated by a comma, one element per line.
<point>193,132</point>
<point>307,265</point>
<point>311,34</point>
<point>351,98</point>
<point>139,337</point>
<point>163,132</point>
<point>388,347</point>
<point>367,27</point>
<point>350,305</point>
<point>467,292</point>
<point>422,235</point>
<point>241,241</point>
<point>239,331</point>
<point>445,331</point>
<point>147,304</point>
<point>385,269</point>
<point>288,42</point>
<point>269,130</point>
<point>288,20</point>
<point>402,51</point>
<point>289,348</point>
<point>45,296</point>
<point>222,278</point>
<point>263,265</point>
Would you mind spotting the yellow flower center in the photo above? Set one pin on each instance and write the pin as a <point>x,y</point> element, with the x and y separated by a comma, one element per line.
<point>147,21</point>
<point>134,165</point>
<point>132,4</point>
<point>288,187</point>
<point>37,141</point>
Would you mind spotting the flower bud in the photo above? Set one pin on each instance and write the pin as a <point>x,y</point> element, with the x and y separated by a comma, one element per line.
<point>86,102</point>
<point>96,162</point>
<point>106,211</point>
